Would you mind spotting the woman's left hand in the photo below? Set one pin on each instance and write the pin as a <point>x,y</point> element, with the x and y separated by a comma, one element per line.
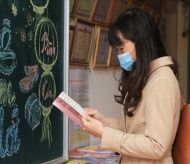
<point>92,126</point>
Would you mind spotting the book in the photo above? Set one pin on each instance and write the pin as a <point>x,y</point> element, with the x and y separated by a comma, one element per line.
<point>96,154</point>
<point>95,149</point>
<point>93,161</point>
<point>81,161</point>
<point>77,154</point>
<point>69,107</point>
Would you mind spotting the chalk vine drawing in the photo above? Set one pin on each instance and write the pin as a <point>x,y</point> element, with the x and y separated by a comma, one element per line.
<point>46,50</point>
<point>46,43</point>
<point>39,8</point>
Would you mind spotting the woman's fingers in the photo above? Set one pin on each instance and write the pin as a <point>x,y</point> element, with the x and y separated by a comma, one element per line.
<point>92,126</point>
<point>90,111</point>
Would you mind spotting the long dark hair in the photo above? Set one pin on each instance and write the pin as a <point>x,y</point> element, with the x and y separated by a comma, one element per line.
<point>140,27</point>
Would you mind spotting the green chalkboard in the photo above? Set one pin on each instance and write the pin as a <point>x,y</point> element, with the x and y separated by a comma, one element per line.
<point>31,77</point>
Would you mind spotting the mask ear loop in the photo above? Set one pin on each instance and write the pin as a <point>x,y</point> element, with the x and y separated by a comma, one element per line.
<point>132,48</point>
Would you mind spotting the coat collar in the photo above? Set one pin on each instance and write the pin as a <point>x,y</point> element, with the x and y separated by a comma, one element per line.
<point>160,62</point>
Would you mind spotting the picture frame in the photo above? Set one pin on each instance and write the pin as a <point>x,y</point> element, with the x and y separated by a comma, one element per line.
<point>119,7</point>
<point>148,9</point>
<point>135,4</point>
<point>84,9</point>
<point>159,6</point>
<point>150,3</point>
<point>103,12</point>
<point>81,46</point>
<point>114,59</point>
<point>71,5</point>
<point>141,1</point>
<point>71,37</point>
<point>72,21</point>
<point>103,49</point>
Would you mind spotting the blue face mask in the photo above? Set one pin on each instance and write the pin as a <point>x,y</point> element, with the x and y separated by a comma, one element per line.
<point>126,60</point>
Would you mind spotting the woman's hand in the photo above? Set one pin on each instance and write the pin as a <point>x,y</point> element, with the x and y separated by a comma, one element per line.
<point>98,116</point>
<point>92,126</point>
<point>94,114</point>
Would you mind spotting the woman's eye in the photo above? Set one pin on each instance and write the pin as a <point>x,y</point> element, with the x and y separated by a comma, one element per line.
<point>120,49</point>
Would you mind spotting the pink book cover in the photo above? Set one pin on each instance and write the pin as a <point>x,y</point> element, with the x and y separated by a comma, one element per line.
<point>69,107</point>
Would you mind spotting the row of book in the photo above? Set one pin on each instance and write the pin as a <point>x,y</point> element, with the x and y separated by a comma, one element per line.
<point>93,154</point>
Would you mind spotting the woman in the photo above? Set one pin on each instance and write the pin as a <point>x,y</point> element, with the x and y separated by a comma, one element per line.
<point>149,92</point>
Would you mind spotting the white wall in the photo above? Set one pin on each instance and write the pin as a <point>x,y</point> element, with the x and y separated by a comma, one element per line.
<point>103,88</point>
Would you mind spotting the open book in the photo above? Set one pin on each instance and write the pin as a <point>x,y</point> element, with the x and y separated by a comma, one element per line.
<point>70,107</point>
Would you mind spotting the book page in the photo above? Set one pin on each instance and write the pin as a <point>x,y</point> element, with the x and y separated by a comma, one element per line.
<point>70,107</point>
<point>72,103</point>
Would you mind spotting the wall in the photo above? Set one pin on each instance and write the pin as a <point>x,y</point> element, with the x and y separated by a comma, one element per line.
<point>176,44</point>
<point>103,88</point>
<point>182,49</point>
<point>171,33</point>
<point>170,14</point>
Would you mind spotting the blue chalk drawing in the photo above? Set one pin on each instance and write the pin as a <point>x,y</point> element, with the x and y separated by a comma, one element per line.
<point>8,59</point>
<point>1,129</point>
<point>11,142</point>
<point>33,111</point>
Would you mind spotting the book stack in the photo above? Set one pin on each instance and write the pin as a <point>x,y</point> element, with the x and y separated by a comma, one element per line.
<point>93,154</point>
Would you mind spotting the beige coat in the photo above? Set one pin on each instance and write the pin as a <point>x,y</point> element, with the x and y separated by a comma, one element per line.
<point>151,131</point>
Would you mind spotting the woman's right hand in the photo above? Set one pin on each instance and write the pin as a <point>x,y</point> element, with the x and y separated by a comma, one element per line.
<point>97,115</point>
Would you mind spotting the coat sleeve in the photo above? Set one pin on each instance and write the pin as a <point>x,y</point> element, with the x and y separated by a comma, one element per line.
<point>159,115</point>
<point>116,124</point>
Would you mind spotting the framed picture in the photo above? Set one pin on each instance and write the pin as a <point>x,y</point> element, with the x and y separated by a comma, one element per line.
<point>72,22</point>
<point>135,4</point>
<point>159,6</point>
<point>148,9</point>
<point>119,7</point>
<point>81,45</point>
<point>84,8</point>
<point>103,49</point>
<point>71,5</point>
<point>114,59</point>
<point>150,3</point>
<point>103,11</point>
<point>141,1</point>
<point>71,37</point>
